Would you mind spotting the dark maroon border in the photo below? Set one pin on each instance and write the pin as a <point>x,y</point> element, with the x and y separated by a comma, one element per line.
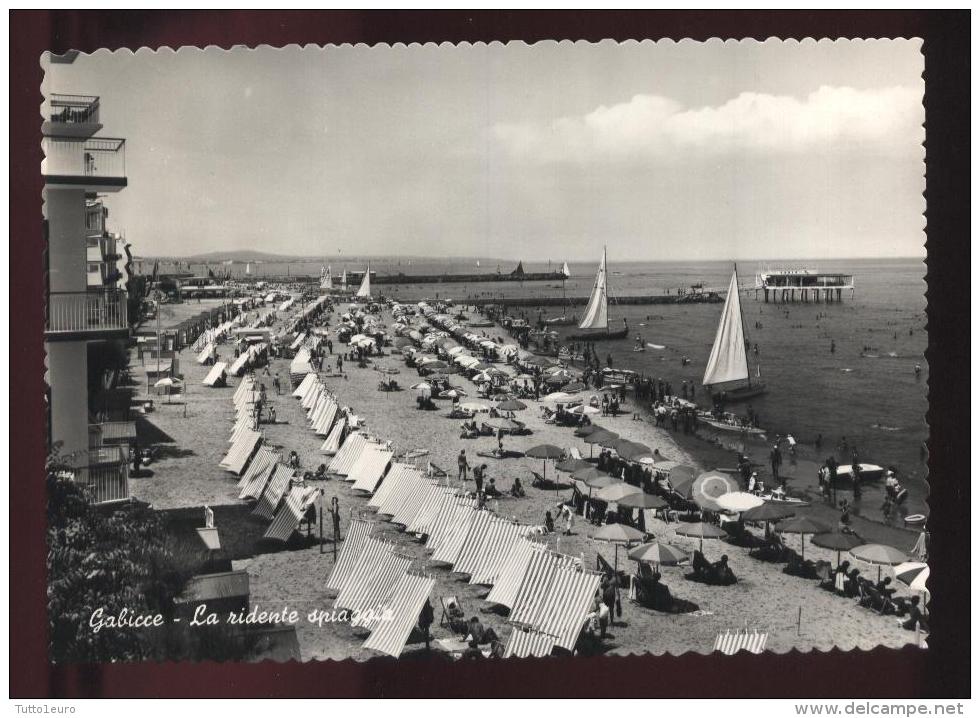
<point>942,671</point>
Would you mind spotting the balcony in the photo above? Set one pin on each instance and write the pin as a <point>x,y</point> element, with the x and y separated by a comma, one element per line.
<point>105,470</point>
<point>72,116</point>
<point>97,164</point>
<point>74,316</point>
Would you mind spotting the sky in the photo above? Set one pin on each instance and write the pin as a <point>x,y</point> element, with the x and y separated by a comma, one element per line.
<point>718,150</point>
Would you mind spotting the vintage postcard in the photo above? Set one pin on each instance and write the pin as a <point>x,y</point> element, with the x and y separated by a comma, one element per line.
<point>485,351</point>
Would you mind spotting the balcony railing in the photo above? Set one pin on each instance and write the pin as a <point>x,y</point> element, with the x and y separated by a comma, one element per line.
<point>74,109</point>
<point>79,312</point>
<point>96,157</point>
<point>105,470</point>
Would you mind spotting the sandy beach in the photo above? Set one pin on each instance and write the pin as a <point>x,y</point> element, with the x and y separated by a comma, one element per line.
<point>197,425</point>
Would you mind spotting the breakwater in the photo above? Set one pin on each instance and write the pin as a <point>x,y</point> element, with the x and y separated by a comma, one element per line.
<point>465,278</point>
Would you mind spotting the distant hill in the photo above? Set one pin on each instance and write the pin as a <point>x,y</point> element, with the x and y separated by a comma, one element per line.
<point>242,255</point>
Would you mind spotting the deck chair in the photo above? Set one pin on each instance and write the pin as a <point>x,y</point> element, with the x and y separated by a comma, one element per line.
<point>447,603</point>
<point>574,453</point>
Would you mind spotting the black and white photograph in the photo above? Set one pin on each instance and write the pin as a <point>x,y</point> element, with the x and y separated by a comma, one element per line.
<point>427,354</point>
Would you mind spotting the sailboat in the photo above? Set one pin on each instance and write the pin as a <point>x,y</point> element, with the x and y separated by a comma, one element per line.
<point>343,280</point>
<point>564,320</point>
<point>727,374</point>
<point>365,289</point>
<point>596,319</point>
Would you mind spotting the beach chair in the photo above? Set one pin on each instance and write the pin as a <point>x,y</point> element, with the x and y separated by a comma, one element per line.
<point>451,604</point>
<point>574,453</point>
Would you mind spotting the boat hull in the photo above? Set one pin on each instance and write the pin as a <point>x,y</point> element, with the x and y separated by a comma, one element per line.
<point>733,428</point>
<point>740,393</point>
<point>597,336</point>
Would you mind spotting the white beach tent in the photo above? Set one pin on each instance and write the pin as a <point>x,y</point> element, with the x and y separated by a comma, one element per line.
<point>372,552</point>
<point>418,516</point>
<point>241,451</point>
<point>452,541</point>
<point>264,458</point>
<point>347,455</point>
<point>391,494</point>
<point>217,376</point>
<point>332,445</point>
<point>524,643</point>
<point>483,557</point>
<point>205,354</point>
<point>512,571</point>
<point>369,469</point>
<point>304,386</point>
<point>256,481</point>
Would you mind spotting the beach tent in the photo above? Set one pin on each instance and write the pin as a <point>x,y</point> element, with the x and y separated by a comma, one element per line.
<point>374,553</point>
<point>450,514</point>
<point>483,557</point>
<point>452,542</point>
<point>217,376</point>
<point>512,571</point>
<point>348,454</point>
<point>433,499</point>
<point>264,459</point>
<point>397,484</point>
<point>205,354</point>
<point>315,391</point>
<point>377,590</point>
<point>523,643</point>
<point>246,386</point>
<point>369,469</point>
<point>240,364</point>
<point>466,540</point>
<point>323,420</point>
<point>416,493</point>
<point>357,534</point>
<point>408,597</point>
<point>290,513</point>
<point>304,386</point>
<point>334,438</point>
<point>298,341</point>
<point>555,597</point>
<point>730,643</point>
<point>241,451</point>
<point>277,486</point>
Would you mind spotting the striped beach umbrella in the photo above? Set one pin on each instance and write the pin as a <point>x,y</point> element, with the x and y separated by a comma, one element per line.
<point>660,554</point>
<point>914,575</point>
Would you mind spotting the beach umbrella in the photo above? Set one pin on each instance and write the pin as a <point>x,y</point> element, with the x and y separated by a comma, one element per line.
<point>452,393</point>
<point>570,465</point>
<point>545,452</point>
<point>738,502</point>
<point>615,493</point>
<point>660,554</point>
<point>630,450</point>
<point>499,423</point>
<point>700,531</point>
<point>767,512</point>
<point>435,364</point>
<point>836,541</point>
<point>511,405</point>
<point>422,386</point>
<point>709,486</point>
<point>879,555</point>
<point>589,472</point>
<point>583,431</point>
<point>618,534</point>
<point>598,437</point>
<point>557,397</point>
<point>802,525</point>
<point>681,479</point>
<point>914,575</point>
<point>574,387</point>
<point>664,467</point>
<point>642,501</point>
<point>584,410</point>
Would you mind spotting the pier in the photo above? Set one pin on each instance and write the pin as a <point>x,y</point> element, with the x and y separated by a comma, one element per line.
<point>803,285</point>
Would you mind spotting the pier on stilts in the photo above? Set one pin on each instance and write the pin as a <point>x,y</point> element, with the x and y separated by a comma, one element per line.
<point>803,285</point>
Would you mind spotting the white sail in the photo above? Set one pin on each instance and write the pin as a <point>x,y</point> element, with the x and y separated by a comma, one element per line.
<point>727,361</point>
<point>343,280</point>
<point>596,313</point>
<point>564,270</point>
<point>365,289</point>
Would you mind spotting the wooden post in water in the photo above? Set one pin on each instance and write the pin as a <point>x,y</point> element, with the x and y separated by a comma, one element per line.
<point>799,619</point>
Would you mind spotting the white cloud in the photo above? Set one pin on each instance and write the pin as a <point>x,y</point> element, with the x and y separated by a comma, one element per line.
<point>881,121</point>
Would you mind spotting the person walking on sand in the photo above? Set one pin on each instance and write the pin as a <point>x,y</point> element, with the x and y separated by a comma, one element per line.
<point>426,617</point>
<point>479,472</point>
<point>463,465</point>
<point>775,461</point>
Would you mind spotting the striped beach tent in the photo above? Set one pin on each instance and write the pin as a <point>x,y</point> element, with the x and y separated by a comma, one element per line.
<point>391,494</point>
<point>408,596</point>
<point>312,396</point>
<point>450,545</point>
<point>335,438</point>
<point>432,502</point>
<point>731,642</point>
<point>487,559</point>
<point>555,597</point>
<point>217,376</point>
<point>347,455</point>
<point>450,511</point>
<point>357,534</point>
<point>411,499</point>
<point>288,516</point>
<point>481,527</point>
<point>322,420</point>
<point>372,553</point>
<point>242,424</point>
<point>304,386</point>
<point>277,485</point>
<point>241,363</point>
<point>264,459</point>
<point>369,469</point>
<point>205,354</point>
<point>512,571</point>
<point>241,452</point>
<point>523,643</point>
<point>246,386</point>
<point>376,589</point>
